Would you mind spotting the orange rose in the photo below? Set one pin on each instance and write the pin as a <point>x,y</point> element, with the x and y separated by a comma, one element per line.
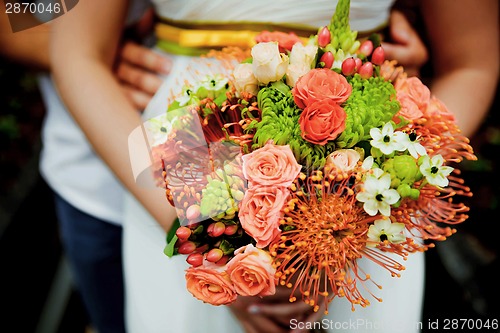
<point>210,285</point>
<point>320,84</point>
<point>409,109</point>
<point>261,211</point>
<point>286,41</point>
<point>252,272</point>
<point>271,165</point>
<point>322,121</point>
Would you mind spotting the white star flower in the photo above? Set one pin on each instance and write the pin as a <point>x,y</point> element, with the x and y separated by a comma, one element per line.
<point>159,128</point>
<point>387,140</point>
<point>410,142</point>
<point>434,171</point>
<point>214,83</point>
<point>377,195</point>
<point>385,230</point>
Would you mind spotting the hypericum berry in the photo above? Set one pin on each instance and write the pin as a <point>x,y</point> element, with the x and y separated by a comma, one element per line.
<point>231,229</point>
<point>359,63</point>
<point>327,59</point>
<point>366,47</point>
<point>378,56</point>
<point>193,212</point>
<point>348,66</point>
<point>183,233</point>
<point>214,255</point>
<point>366,70</point>
<point>324,37</point>
<point>195,259</point>
<point>216,229</point>
<point>187,248</point>
<point>222,261</point>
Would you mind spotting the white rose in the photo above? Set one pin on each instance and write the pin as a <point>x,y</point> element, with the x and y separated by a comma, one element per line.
<point>303,55</point>
<point>245,80</point>
<point>343,159</point>
<point>268,64</point>
<point>294,72</point>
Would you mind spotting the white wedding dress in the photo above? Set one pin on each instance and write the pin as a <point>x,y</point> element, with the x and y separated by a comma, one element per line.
<point>157,299</point>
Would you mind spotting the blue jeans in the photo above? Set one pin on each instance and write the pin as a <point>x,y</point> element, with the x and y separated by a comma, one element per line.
<point>93,248</point>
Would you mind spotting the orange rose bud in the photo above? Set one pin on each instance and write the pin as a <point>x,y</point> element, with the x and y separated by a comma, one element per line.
<point>366,48</point>
<point>366,70</point>
<point>187,248</point>
<point>214,255</point>
<point>324,37</point>
<point>378,56</point>
<point>216,229</point>
<point>183,233</point>
<point>195,259</point>
<point>349,66</point>
<point>327,59</point>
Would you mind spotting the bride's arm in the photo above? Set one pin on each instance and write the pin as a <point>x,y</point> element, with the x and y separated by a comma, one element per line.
<point>83,46</point>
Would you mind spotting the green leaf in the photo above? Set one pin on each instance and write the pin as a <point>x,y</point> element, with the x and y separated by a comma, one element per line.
<point>173,229</point>
<point>169,249</point>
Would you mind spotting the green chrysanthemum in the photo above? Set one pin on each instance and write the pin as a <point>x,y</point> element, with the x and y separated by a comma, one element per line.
<point>280,123</point>
<point>372,103</point>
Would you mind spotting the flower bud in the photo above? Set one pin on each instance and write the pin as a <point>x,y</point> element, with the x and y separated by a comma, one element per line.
<point>327,59</point>
<point>216,229</point>
<point>378,56</point>
<point>195,259</point>
<point>348,66</point>
<point>231,229</point>
<point>183,233</point>
<point>366,70</point>
<point>366,48</point>
<point>187,248</point>
<point>214,255</point>
<point>324,37</point>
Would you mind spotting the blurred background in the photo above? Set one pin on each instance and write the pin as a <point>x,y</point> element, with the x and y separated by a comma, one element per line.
<point>36,293</point>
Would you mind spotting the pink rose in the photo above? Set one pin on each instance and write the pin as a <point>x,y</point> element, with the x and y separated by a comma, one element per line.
<point>342,159</point>
<point>322,121</point>
<point>320,84</point>
<point>409,109</point>
<point>260,212</point>
<point>252,272</point>
<point>271,165</point>
<point>416,90</point>
<point>210,285</point>
<point>286,41</point>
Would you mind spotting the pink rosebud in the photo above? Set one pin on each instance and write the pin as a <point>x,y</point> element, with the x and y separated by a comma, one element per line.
<point>214,255</point>
<point>216,229</point>
<point>327,59</point>
<point>187,248</point>
<point>359,63</point>
<point>231,229</point>
<point>378,56</point>
<point>366,48</point>
<point>195,259</point>
<point>183,233</point>
<point>193,212</point>
<point>348,66</point>
<point>366,70</point>
<point>324,37</point>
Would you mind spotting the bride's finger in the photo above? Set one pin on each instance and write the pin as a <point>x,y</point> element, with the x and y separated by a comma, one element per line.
<point>138,98</point>
<point>138,77</point>
<point>145,58</point>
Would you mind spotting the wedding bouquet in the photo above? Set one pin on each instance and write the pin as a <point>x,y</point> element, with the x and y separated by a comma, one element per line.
<point>301,159</point>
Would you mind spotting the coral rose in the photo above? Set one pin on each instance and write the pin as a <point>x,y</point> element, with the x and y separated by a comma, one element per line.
<point>286,41</point>
<point>416,90</point>
<point>409,109</point>
<point>343,159</point>
<point>271,165</point>
<point>260,212</point>
<point>437,107</point>
<point>252,272</point>
<point>320,84</point>
<point>322,121</point>
<point>210,285</point>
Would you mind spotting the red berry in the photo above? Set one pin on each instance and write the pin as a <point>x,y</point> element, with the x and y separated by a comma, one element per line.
<point>366,47</point>
<point>193,212</point>
<point>378,56</point>
<point>195,259</point>
<point>216,229</point>
<point>214,255</point>
<point>324,37</point>
<point>222,261</point>
<point>183,233</point>
<point>327,59</point>
<point>187,248</point>
<point>348,66</point>
<point>359,63</point>
<point>231,229</point>
<point>366,70</point>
